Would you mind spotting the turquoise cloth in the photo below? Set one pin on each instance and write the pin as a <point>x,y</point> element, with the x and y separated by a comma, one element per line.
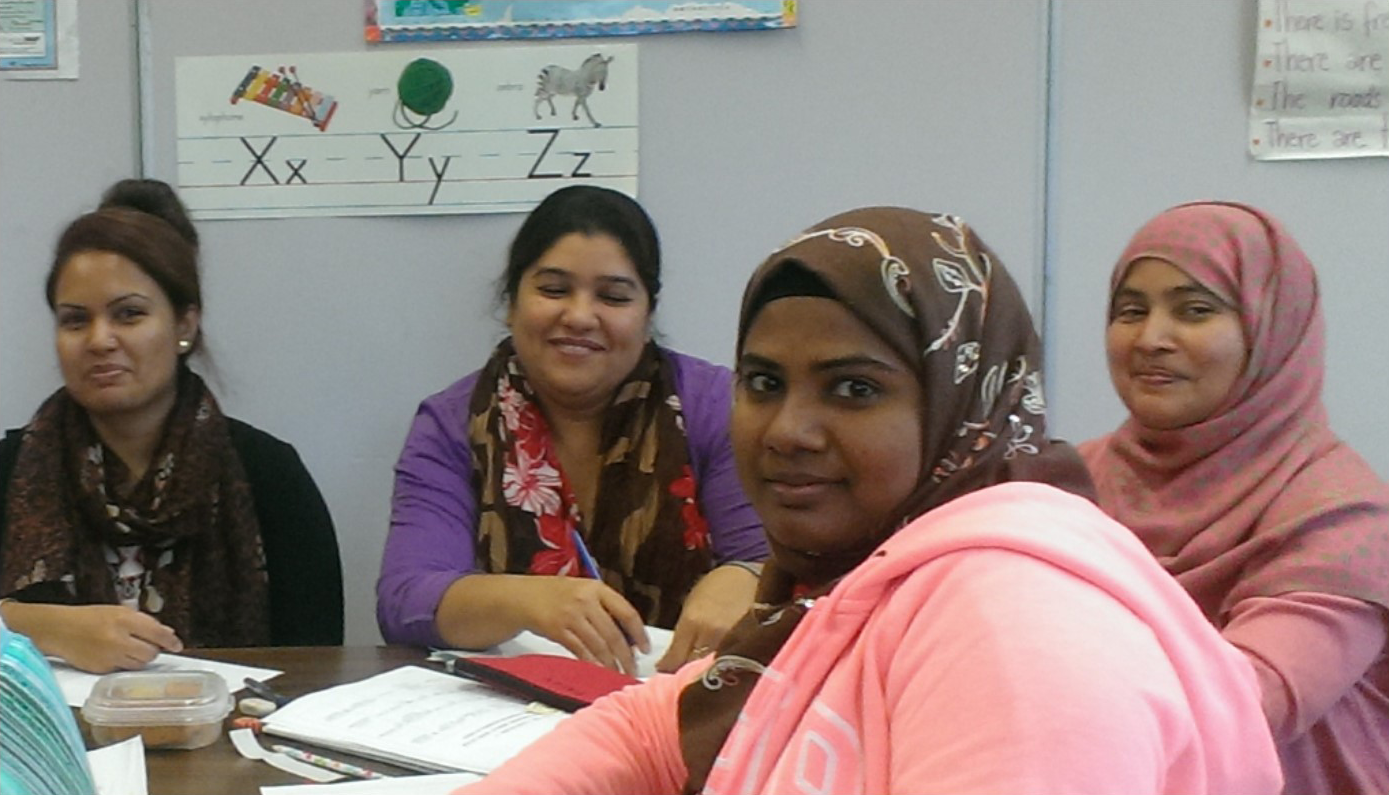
<point>41,751</point>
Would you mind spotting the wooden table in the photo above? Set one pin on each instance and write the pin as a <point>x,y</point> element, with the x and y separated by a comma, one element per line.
<point>218,769</point>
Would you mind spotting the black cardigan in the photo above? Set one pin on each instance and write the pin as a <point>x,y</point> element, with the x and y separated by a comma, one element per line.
<point>301,547</point>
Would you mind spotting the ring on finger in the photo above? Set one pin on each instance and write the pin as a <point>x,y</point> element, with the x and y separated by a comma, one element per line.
<point>700,651</point>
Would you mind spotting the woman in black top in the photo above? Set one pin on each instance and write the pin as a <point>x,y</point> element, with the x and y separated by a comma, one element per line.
<point>135,517</point>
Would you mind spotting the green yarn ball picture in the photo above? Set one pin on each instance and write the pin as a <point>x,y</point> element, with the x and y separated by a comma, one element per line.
<point>424,88</point>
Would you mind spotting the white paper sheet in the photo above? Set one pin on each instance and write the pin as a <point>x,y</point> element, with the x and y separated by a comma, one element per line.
<point>434,784</point>
<point>119,769</point>
<point>417,718</point>
<point>531,643</point>
<point>1321,76</point>
<point>77,685</point>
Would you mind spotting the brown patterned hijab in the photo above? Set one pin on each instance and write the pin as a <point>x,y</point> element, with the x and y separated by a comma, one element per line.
<point>647,536</point>
<point>183,544</point>
<point>931,289</point>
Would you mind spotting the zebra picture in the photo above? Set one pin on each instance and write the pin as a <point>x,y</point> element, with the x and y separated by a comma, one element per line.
<point>555,80</point>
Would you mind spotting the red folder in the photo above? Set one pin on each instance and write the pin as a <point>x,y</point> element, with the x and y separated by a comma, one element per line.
<point>561,682</point>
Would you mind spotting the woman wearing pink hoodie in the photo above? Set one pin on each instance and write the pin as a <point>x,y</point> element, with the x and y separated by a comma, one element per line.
<point>945,610</point>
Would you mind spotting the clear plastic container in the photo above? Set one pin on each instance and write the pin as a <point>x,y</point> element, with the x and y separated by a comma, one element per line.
<point>168,709</point>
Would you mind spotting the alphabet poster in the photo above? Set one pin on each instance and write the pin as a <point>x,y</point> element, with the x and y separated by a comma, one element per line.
<point>468,20</point>
<point>397,132</point>
<point>1321,80</point>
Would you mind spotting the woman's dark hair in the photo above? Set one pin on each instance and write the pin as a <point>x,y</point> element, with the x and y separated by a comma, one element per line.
<point>588,210</point>
<point>144,221</point>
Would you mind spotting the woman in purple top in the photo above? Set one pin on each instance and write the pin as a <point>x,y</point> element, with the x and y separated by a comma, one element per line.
<point>581,484</point>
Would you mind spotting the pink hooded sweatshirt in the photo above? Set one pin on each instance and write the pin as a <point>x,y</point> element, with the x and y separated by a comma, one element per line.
<point>1015,640</point>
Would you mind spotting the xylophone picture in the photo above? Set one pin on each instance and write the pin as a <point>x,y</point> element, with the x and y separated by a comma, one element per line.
<point>282,91</point>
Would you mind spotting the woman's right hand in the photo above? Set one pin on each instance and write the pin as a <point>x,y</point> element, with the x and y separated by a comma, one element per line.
<point>95,638</point>
<point>590,619</point>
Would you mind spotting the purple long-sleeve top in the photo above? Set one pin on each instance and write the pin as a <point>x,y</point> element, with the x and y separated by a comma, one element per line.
<point>434,511</point>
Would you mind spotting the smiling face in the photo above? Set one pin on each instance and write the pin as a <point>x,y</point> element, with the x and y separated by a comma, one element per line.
<point>117,336</point>
<point>826,426</point>
<point>1175,348</point>
<point>579,321</point>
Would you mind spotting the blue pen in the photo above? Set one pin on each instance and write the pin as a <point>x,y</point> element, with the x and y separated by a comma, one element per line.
<point>585,559</point>
<point>591,569</point>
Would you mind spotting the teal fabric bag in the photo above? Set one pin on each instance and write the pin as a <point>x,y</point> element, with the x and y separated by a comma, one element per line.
<point>41,751</point>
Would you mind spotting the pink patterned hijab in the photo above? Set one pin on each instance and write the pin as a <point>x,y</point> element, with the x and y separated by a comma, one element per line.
<point>1260,498</point>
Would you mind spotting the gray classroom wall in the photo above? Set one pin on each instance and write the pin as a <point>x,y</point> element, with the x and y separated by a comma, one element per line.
<point>941,104</point>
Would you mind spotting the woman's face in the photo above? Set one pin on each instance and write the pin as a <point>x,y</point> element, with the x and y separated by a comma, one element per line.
<point>826,425</point>
<point>1175,348</point>
<point>117,336</point>
<point>579,321</point>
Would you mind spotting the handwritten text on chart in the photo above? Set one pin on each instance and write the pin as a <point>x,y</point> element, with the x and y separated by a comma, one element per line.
<point>1321,79</point>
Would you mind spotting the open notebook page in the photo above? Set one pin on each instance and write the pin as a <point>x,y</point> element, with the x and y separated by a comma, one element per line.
<point>417,718</point>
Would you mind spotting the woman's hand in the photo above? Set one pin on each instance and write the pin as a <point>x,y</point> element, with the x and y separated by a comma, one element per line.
<point>95,638</point>
<point>714,605</point>
<point>585,616</point>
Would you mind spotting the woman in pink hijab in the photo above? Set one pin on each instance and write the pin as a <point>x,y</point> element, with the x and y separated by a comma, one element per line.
<point>1228,471</point>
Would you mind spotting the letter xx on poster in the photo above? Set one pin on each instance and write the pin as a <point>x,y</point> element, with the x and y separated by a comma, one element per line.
<point>482,130</point>
<point>1321,80</point>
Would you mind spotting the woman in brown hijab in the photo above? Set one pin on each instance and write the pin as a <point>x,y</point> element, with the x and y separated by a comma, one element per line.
<point>943,611</point>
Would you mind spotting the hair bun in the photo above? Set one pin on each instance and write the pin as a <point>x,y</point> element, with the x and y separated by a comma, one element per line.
<point>153,197</point>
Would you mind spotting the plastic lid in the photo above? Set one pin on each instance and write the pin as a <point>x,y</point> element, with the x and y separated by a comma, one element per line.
<point>150,698</point>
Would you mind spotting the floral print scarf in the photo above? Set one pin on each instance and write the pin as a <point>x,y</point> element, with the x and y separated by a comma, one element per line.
<point>183,544</point>
<point>647,537</point>
<point>931,289</point>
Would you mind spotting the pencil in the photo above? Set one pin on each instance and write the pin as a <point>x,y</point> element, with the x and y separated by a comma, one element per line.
<point>337,766</point>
